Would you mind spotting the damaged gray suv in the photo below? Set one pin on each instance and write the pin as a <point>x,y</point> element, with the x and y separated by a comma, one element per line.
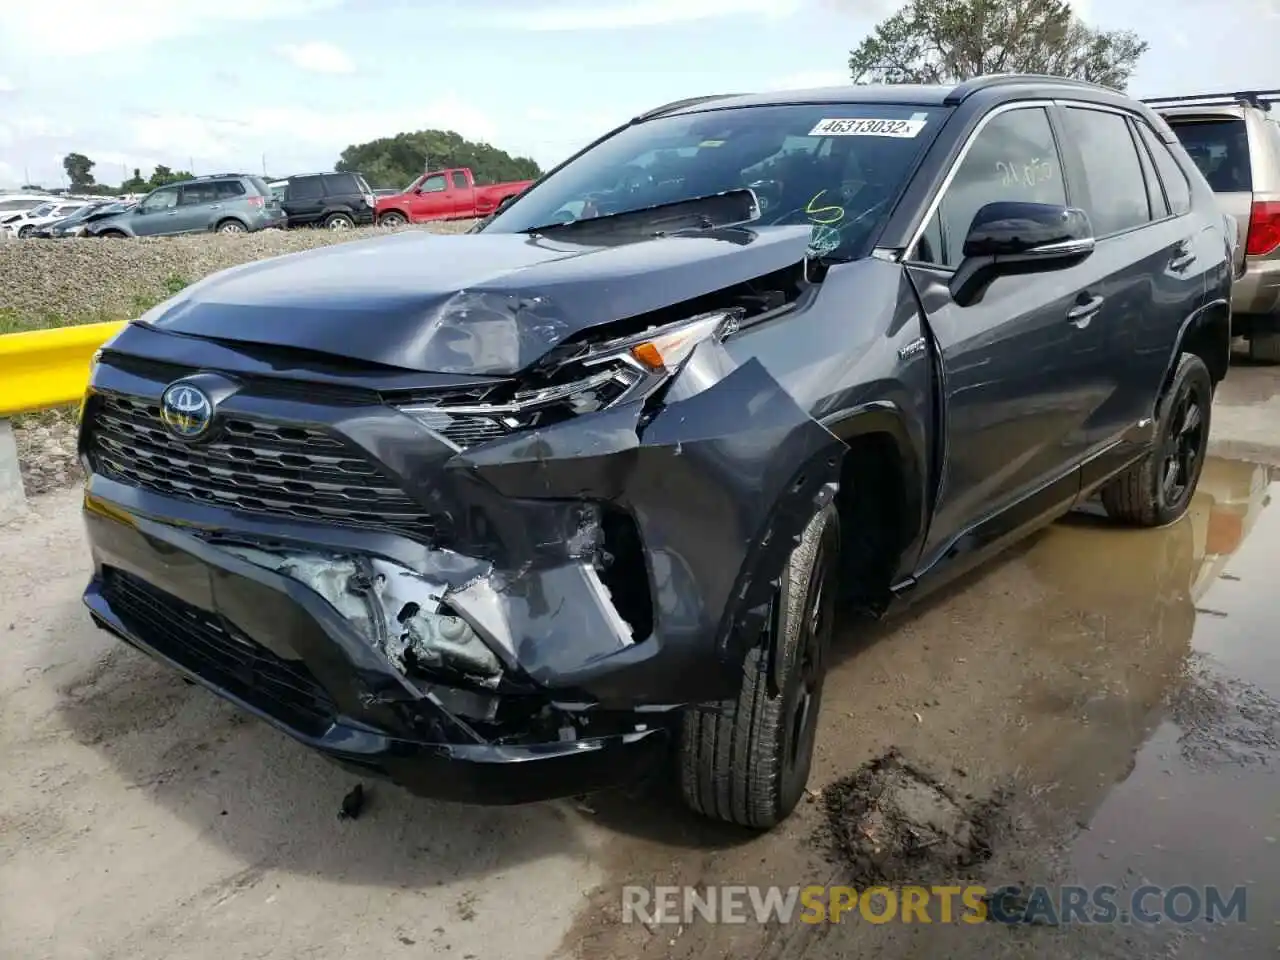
<point>523,513</point>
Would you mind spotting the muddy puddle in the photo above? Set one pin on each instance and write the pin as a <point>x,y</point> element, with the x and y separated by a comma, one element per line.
<point>1098,707</point>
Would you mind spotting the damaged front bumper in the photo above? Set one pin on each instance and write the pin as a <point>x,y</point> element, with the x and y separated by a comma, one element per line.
<point>520,619</point>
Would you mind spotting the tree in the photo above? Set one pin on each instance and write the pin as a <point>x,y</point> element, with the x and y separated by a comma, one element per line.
<point>945,41</point>
<point>134,184</point>
<point>397,161</point>
<point>163,175</point>
<point>79,170</point>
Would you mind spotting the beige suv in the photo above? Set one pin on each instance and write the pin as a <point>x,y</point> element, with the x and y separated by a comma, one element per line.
<point>1234,139</point>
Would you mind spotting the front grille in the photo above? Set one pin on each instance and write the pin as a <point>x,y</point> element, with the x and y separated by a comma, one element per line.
<point>285,471</point>
<point>203,644</point>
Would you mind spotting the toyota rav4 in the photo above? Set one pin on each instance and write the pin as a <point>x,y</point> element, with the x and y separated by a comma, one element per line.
<point>517,514</point>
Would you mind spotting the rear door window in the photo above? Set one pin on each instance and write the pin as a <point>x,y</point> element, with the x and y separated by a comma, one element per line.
<point>340,185</point>
<point>305,188</point>
<point>1220,148</point>
<point>1116,194</point>
<point>194,194</point>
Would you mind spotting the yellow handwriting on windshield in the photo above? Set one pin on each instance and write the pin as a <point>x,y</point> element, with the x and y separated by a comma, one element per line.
<point>824,215</point>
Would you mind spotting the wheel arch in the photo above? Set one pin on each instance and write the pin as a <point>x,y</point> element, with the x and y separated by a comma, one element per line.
<point>1207,334</point>
<point>886,461</point>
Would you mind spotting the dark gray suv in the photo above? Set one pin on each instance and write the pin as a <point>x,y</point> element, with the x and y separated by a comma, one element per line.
<point>512,514</point>
<point>225,203</point>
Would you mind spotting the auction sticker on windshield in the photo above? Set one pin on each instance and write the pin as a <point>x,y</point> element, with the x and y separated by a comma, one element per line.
<point>841,127</point>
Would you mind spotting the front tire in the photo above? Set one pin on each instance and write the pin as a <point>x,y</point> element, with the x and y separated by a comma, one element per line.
<point>392,219</point>
<point>749,763</point>
<point>1158,489</point>
<point>24,233</point>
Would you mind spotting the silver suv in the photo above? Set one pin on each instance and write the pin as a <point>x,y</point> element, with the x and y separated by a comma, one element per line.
<point>224,203</point>
<point>1235,141</point>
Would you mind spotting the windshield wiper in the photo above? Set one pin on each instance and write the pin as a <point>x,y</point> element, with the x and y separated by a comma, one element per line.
<point>739,206</point>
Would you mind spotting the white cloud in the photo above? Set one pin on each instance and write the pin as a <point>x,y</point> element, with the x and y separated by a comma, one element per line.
<point>318,56</point>
<point>619,15</point>
<point>254,129</point>
<point>95,26</point>
<point>7,85</point>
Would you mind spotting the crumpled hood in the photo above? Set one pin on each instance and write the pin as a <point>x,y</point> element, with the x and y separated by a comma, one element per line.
<point>482,304</point>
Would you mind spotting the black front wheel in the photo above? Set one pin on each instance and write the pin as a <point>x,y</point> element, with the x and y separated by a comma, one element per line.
<point>748,763</point>
<point>1158,489</point>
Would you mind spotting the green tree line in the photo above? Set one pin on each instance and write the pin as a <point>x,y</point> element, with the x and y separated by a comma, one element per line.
<point>397,161</point>
<point>385,162</point>
<point>80,178</point>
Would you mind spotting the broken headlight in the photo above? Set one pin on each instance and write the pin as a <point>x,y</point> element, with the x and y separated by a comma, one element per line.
<point>596,377</point>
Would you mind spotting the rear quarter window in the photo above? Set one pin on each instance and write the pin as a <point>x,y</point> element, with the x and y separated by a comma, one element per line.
<point>229,189</point>
<point>1220,148</point>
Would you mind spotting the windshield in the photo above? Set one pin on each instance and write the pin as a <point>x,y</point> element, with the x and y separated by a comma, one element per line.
<point>839,167</point>
<point>43,210</point>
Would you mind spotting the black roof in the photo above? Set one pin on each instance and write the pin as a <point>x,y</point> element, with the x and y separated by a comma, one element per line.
<point>925,95</point>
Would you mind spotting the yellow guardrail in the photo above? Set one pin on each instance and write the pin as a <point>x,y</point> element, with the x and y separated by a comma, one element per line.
<point>48,368</point>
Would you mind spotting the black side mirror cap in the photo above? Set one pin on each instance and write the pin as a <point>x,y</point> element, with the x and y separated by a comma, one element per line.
<point>1010,237</point>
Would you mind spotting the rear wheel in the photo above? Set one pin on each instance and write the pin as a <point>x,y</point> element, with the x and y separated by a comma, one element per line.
<point>1265,347</point>
<point>231,226</point>
<point>1157,490</point>
<point>749,762</point>
<point>393,219</point>
<point>338,221</point>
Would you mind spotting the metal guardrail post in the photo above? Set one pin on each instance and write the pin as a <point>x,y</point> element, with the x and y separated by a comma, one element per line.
<point>13,498</point>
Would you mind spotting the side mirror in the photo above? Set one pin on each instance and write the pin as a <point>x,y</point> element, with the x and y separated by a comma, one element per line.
<point>1010,237</point>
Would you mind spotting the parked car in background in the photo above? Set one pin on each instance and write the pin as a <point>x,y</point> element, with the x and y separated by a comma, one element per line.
<point>506,515</point>
<point>15,204</point>
<point>23,226</point>
<point>107,212</point>
<point>335,201</point>
<point>1236,145</point>
<point>445,195</point>
<point>74,224</point>
<point>222,203</point>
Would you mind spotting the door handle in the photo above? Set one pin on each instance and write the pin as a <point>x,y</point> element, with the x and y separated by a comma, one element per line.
<point>215,206</point>
<point>1080,315</point>
<point>1182,259</point>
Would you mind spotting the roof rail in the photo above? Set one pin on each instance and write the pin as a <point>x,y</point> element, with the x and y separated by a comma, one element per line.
<point>1249,98</point>
<point>969,87</point>
<point>680,104</point>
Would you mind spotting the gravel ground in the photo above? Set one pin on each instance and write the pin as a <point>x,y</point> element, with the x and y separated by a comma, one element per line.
<point>47,284</point>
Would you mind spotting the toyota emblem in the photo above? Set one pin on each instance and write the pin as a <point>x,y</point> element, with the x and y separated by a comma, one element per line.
<point>186,410</point>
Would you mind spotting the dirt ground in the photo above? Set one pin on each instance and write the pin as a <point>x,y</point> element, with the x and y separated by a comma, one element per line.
<point>1098,706</point>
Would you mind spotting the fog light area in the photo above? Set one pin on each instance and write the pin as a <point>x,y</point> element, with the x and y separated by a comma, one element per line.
<point>398,611</point>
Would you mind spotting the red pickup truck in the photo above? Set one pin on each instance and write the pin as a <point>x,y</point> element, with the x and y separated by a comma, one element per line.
<point>444,195</point>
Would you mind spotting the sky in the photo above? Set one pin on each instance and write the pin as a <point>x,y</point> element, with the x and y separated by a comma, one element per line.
<point>222,85</point>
